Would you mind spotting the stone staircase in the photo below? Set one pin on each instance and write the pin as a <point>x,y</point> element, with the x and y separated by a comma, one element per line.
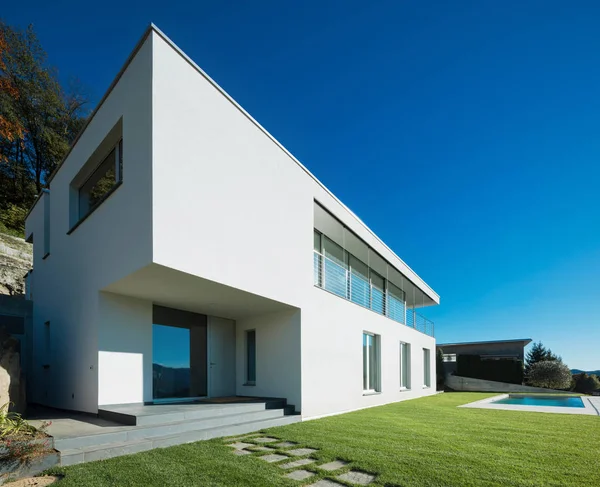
<point>149,427</point>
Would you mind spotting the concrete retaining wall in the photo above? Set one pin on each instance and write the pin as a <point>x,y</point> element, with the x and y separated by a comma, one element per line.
<point>468,384</point>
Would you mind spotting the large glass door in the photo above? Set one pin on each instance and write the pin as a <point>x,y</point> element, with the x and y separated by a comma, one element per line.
<point>179,354</point>
<point>171,361</point>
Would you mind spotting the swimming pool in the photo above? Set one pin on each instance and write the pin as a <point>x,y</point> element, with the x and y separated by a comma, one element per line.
<point>555,401</point>
<point>539,403</point>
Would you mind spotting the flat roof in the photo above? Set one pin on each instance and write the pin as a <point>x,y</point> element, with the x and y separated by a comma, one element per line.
<point>524,341</point>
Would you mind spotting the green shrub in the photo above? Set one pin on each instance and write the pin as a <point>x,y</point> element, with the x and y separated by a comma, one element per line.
<point>550,374</point>
<point>585,383</point>
<point>13,423</point>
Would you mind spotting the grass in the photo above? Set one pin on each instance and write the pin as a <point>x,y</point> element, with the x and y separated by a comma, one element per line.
<point>423,442</point>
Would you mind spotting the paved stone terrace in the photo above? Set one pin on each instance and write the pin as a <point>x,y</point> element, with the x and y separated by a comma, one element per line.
<point>299,462</point>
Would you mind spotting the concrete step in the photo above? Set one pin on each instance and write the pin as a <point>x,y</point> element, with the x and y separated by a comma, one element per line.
<point>162,415</point>
<point>135,433</point>
<point>100,452</point>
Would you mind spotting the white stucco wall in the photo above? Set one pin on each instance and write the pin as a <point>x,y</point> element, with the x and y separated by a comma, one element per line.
<point>111,243</point>
<point>236,210</point>
<point>124,350</point>
<point>278,356</point>
<point>332,357</point>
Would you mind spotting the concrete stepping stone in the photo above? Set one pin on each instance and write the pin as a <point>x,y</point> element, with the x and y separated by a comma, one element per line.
<point>241,452</point>
<point>300,452</point>
<point>335,465</point>
<point>241,438</point>
<point>299,475</point>
<point>297,463</point>
<point>325,483</point>
<point>261,448</point>
<point>264,439</point>
<point>285,444</point>
<point>355,477</point>
<point>273,458</point>
<point>240,445</point>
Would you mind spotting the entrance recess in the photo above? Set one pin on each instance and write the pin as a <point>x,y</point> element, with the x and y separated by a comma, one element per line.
<point>179,354</point>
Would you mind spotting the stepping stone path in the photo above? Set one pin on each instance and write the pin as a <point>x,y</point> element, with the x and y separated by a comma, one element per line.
<point>299,475</point>
<point>297,463</point>
<point>285,444</point>
<point>264,439</point>
<point>300,452</point>
<point>335,465</point>
<point>355,477</point>
<point>240,447</point>
<point>273,458</point>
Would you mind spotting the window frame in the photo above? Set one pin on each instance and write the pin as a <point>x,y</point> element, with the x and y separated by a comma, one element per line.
<point>118,168</point>
<point>247,370</point>
<point>426,368</point>
<point>405,352</point>
<point>368,387</point>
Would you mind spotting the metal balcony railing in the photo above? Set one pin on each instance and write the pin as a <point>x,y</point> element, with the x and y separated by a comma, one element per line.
<point>340,280</point>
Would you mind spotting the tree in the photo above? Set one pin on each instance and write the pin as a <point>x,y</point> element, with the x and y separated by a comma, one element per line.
<point>585,383</point>
<point>539,353</point>
<point>551,374</point>
<point>38,118</point>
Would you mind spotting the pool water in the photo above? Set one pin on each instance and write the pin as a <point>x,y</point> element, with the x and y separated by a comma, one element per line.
<point>557,401</point>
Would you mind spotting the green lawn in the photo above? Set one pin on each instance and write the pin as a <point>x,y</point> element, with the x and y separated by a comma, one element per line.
<point>423,442</point>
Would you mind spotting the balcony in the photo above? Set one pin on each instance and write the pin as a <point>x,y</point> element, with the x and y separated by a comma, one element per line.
<point>340,280</point>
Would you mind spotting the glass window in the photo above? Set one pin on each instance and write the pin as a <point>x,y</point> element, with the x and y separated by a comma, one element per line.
<point>449,357</point>
<point>426,367</point>
<point>317,260</point>
<point>404,365</point>
<point>101,182</point>
<point>170,362</point>
<point>396,308</point>
<point>377,293</point>
<point>335,278</point>
<point>251,357</point>
<point>371,367</point>
<point>317,242</point>
<point>359,282</point>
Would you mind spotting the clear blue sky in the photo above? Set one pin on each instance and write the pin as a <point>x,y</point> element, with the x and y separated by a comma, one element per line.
<point>465,134</point>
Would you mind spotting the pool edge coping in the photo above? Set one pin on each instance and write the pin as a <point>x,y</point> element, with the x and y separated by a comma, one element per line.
<point>589,408</point>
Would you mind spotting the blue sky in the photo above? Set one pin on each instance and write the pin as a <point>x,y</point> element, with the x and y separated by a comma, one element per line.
<point>465,134</point>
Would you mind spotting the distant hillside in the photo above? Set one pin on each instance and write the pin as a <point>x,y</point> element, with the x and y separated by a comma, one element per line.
<point>590,372</point>
<point>15,260</point>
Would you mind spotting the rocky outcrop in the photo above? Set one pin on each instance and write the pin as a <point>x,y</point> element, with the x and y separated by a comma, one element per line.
<point>15,261</point>
<point>12,387</point>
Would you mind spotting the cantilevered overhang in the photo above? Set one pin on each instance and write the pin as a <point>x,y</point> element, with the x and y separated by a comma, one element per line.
<point>175,289</point>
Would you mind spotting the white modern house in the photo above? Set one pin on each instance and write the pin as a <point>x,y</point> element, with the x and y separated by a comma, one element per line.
<point>181,252</point>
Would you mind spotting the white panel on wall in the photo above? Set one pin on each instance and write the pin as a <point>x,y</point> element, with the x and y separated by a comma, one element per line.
<point>129,368</point>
